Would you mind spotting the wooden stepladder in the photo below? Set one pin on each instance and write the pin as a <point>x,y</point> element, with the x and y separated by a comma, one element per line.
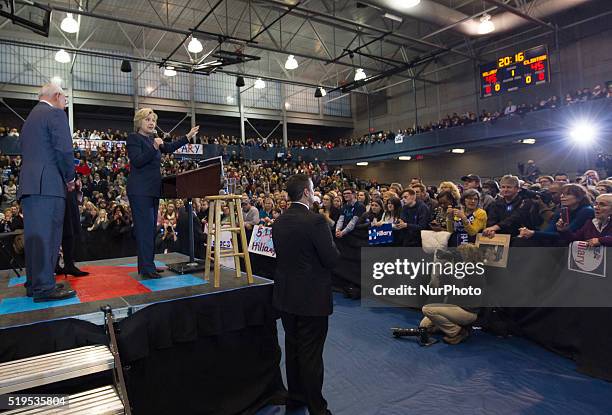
<point>215,204</point>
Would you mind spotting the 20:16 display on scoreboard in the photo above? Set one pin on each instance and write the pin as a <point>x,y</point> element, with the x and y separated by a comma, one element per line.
<point>511,72</point>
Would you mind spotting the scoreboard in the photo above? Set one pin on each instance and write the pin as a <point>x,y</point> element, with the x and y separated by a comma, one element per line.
<point>511,72</point>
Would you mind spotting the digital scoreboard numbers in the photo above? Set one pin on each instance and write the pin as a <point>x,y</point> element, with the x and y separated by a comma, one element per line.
<point>512,72</point>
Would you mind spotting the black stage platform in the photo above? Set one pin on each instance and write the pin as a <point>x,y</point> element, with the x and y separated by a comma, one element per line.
<point>186,347</point>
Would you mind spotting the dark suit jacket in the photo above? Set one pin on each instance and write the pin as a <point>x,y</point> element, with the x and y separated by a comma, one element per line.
<point>145,164</point>
<point>305,257</point>
<point>46,147</point>
<point>182,230</point>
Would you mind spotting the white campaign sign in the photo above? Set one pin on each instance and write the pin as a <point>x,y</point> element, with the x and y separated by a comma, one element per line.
<point>226,243</point>
<point>190,149</point>
<point>93,145</point>
<point>261,241</point>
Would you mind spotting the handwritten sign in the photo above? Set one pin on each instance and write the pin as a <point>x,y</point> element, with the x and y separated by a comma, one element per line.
<point>261,241</point>
<point>225,243</point>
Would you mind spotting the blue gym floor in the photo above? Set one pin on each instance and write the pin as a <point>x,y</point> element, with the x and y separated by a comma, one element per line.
<point>367,371</point>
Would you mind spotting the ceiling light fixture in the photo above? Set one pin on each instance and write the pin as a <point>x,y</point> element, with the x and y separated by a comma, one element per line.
<point>405,158</point>
<point>240,82</point>
<point>362,163</point>
<point>291,63</point>
<point>393,17</point>
<point>360,74</point>
<point>528,141</point>
<point>486,25</point>
<point>169,71</point>
<point>259,84</point>
<point>69,24</point>
<point>62,56</point>
<point>458,150</point>
<point>195,46</point>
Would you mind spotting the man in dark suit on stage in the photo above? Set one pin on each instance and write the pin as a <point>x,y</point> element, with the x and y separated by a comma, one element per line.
<point>46,174</point>
<point>71,234</point>
<point>305,256</point>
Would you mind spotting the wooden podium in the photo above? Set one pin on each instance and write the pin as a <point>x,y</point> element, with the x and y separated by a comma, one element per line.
<point>201,182</point>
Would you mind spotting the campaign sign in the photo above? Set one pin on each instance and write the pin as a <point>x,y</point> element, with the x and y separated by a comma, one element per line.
<point>225,243</point>
<point>587,260</point>
<point>399,139</point>
<point>261,241</point>
<point>382,234</point>
<point>190,149</point>
<point>94,145</point>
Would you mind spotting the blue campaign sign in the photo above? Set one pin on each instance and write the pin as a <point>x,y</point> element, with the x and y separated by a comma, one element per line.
<point>382,234</point>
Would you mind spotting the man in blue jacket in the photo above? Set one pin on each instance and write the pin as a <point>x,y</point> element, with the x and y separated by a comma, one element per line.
<point>46,174</point>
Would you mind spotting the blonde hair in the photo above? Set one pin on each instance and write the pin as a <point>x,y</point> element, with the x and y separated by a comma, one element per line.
<point>140,115</point>
<point>454,189</point>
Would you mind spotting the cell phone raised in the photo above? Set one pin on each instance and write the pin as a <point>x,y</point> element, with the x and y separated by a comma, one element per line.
<point>565,215</point>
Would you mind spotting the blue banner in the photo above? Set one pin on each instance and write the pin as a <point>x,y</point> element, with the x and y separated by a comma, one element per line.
<point>378,235</point>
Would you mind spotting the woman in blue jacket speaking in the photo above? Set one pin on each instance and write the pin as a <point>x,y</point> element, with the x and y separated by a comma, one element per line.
<point>144,184</point>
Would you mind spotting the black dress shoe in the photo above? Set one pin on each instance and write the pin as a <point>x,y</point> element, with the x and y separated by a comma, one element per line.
<point>74,271</point>
<point>159,270</point>
<point>55,294</point>
<point>58,286</point>
<point>150,276</point>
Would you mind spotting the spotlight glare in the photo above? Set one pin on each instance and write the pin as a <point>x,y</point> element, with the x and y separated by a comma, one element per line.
<point>583,132</point>
<point>528,141</point>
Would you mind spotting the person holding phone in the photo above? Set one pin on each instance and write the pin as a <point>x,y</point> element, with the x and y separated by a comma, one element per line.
<point>597,232</point>
<point>575,211</point>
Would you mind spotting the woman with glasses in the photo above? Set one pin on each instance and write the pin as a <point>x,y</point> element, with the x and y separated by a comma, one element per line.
<point>465,222</point>
<point>596,232</point>
<point>575,211</point>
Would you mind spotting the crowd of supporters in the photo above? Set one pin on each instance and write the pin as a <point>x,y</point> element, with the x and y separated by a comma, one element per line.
<point>449,121</point>
<point>542,209</point>
<point>534,209</point>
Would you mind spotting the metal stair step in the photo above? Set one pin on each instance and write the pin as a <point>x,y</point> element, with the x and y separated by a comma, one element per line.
<point>54,367</point>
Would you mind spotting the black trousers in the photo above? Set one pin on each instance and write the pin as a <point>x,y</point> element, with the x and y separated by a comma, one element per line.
<point>304,340</point>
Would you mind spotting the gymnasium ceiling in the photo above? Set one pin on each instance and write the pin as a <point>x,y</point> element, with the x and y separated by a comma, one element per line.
<point>329,39</point>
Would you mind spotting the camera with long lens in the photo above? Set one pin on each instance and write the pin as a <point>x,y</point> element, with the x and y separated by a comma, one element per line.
<point>420,333</point>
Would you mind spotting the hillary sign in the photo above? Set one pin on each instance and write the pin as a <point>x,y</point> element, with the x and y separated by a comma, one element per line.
<point>94,145</point>
<point>382,234</point>
<point>190,149</point>
<point>261,241</point>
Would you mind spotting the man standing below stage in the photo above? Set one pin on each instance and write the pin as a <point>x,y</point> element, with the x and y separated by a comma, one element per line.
<point>305,256</point>
<point>46,174</point>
